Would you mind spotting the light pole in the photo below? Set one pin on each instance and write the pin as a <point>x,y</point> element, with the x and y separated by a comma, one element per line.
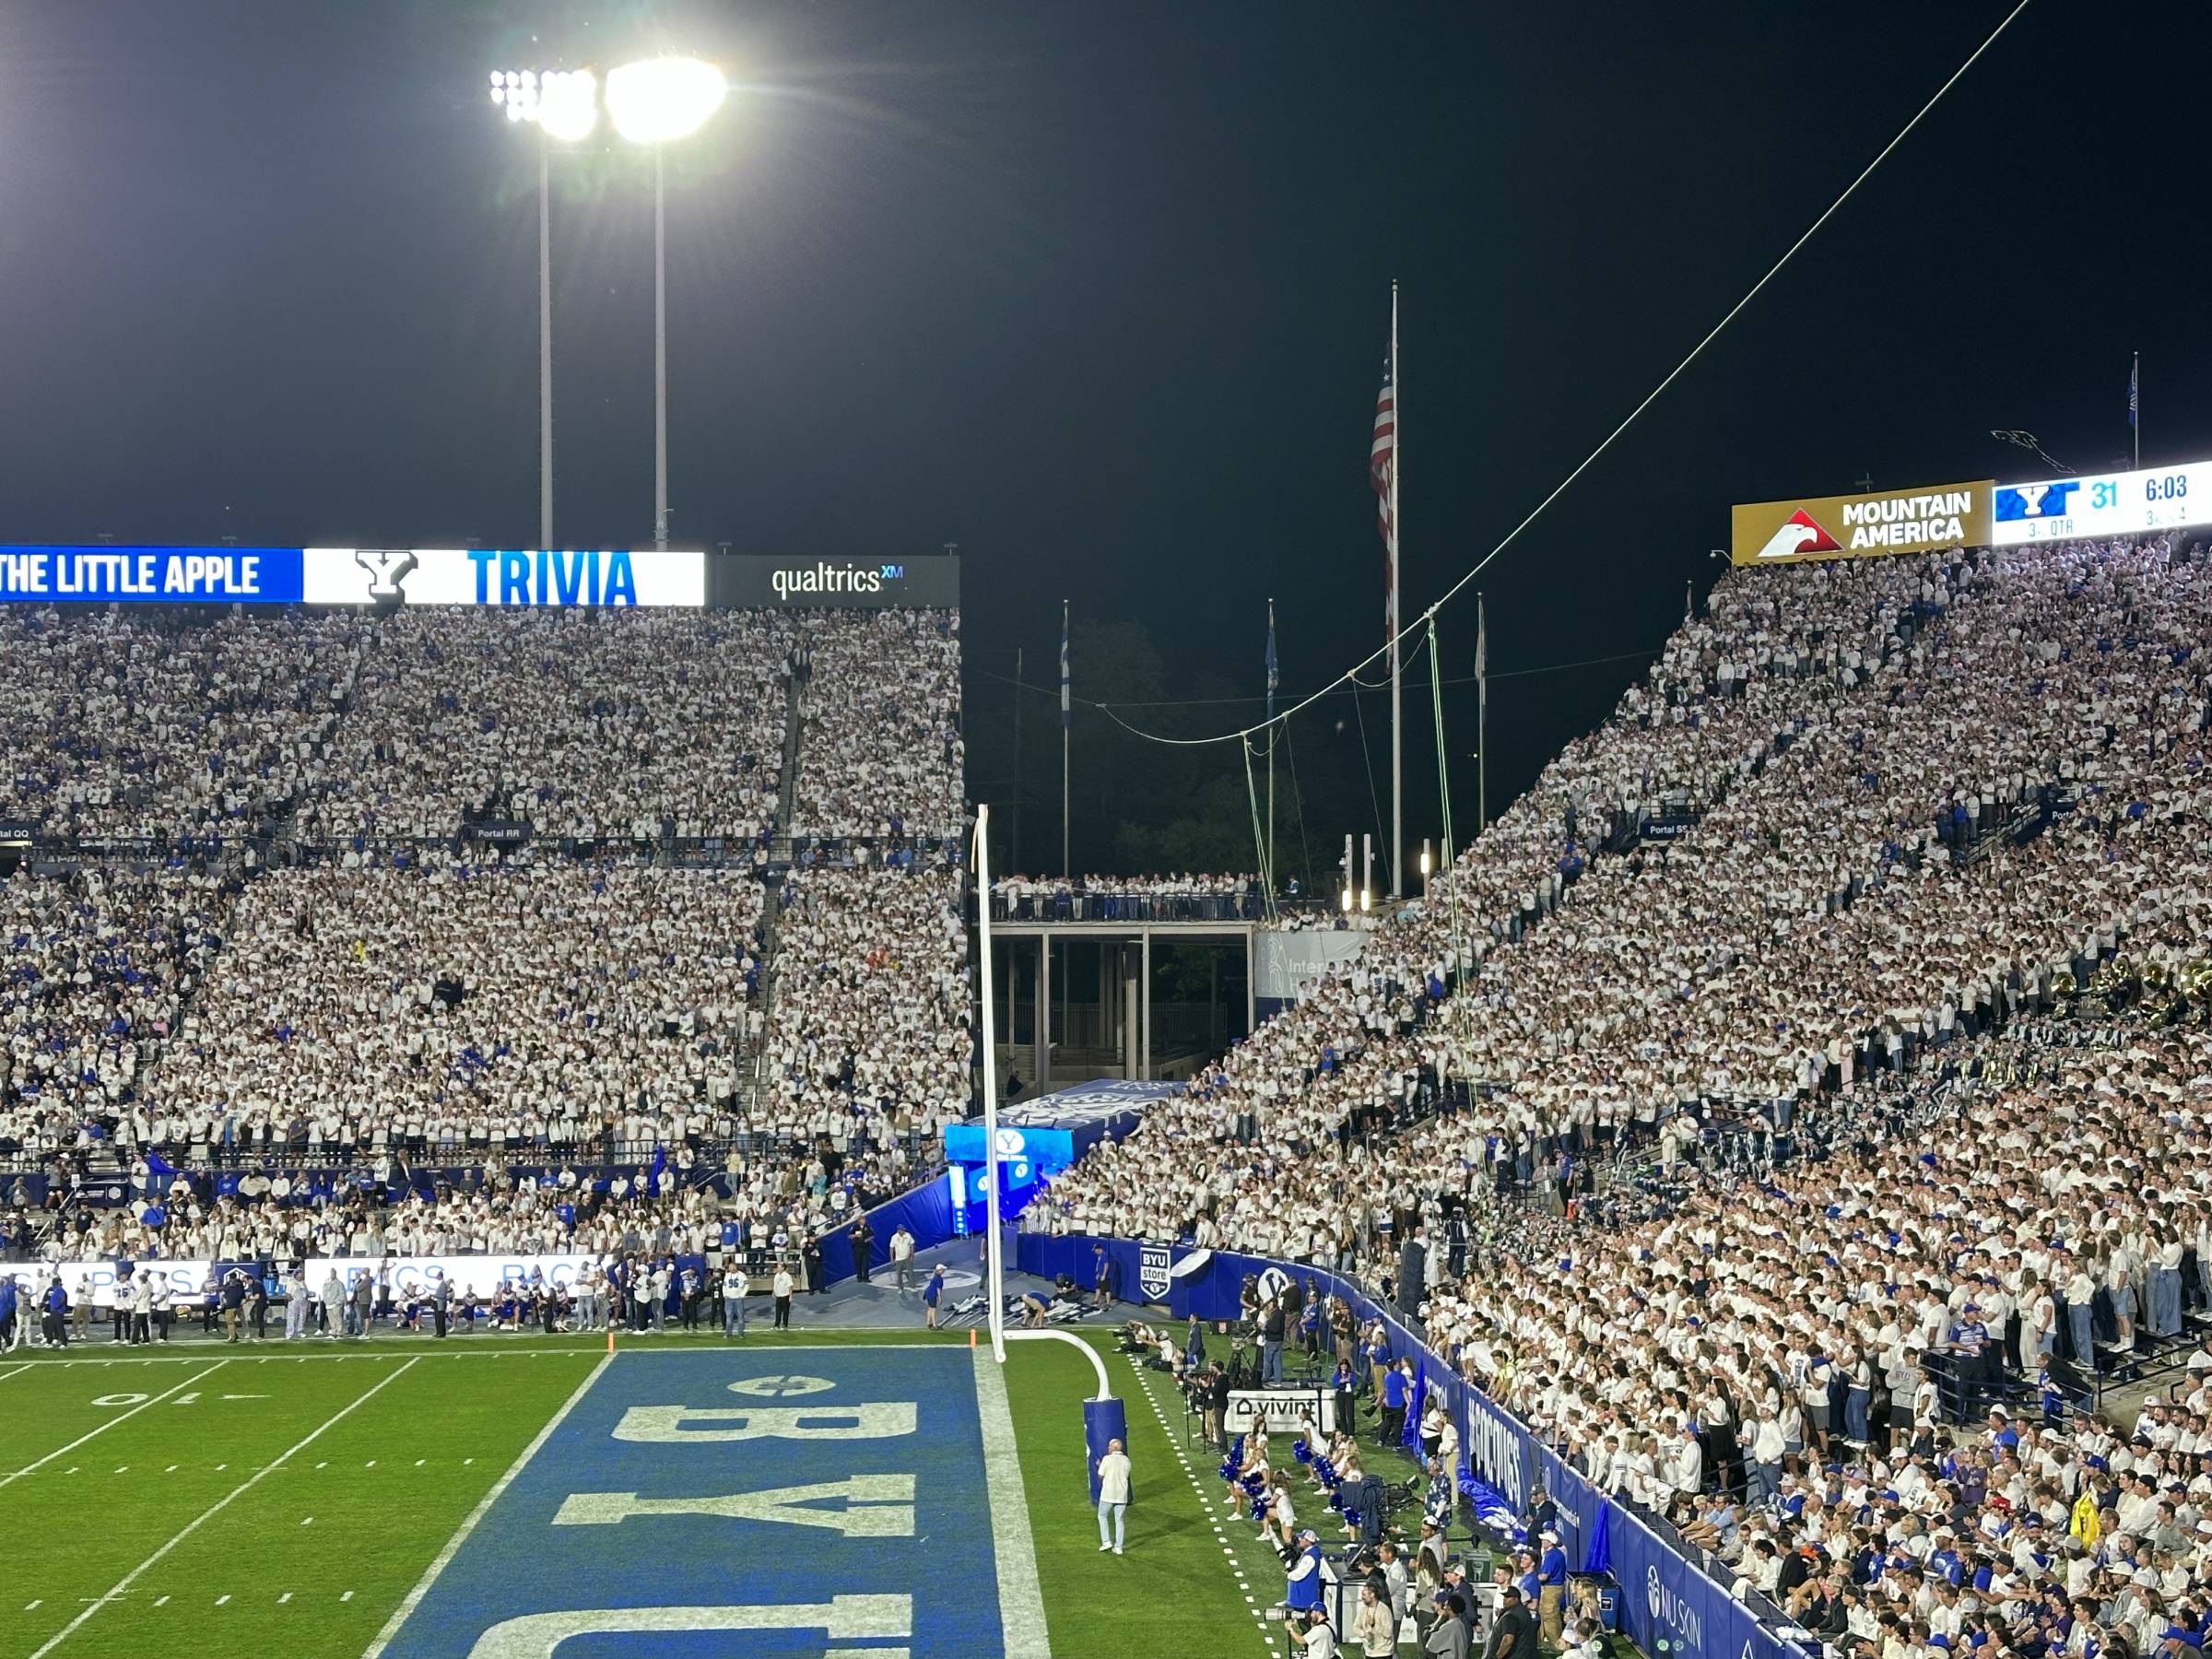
<point>655,101</point>
<point>563,104</point>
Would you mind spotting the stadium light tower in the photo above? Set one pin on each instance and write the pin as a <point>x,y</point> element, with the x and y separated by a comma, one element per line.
<point>562,104</point>
<point>656,101</point>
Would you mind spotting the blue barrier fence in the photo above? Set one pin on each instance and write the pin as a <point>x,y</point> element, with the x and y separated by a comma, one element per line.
<point>925,1212</point>
<point>1666,1598</point>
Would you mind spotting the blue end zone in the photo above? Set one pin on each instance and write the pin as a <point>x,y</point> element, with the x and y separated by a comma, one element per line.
<point>913,1520</point>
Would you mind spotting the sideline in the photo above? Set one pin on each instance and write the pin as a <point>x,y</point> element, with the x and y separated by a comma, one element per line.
<point>110,1423</point>
<point>217,1507</point>
<point>452,1545</point>
<point>1020,1602</point>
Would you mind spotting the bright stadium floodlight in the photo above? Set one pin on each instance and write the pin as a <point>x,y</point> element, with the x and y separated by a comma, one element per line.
<point>568,104</point>
<point>656,101</point>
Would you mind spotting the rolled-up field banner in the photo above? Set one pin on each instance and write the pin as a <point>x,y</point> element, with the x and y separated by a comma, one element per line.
<point>1103,1420</point>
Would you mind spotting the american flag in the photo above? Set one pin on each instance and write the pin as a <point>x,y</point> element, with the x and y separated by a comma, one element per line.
<point>1381,463</point>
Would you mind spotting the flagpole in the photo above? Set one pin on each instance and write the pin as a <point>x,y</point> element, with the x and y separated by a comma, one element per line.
<point>1397,683</point>
<point>1065,750</point>
<point>1482,715</point>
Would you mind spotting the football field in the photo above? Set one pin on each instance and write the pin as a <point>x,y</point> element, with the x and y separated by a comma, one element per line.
<point>826,1494</point>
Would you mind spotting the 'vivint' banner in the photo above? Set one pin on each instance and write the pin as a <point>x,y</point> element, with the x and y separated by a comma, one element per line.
<point>1860,526</point>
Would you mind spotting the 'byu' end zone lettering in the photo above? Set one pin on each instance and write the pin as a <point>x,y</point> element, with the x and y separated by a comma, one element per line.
<point>664,1423</point>
<point>841,1618</point>
<point>854,1519</point>
<point>877,1506</point>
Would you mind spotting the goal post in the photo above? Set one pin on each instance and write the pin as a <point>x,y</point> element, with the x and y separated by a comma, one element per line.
<point>994,1302</point>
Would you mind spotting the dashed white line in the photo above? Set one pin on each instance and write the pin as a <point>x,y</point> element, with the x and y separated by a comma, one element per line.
<point>220,1504</point>
<point>110,1423</point>
<point>221,1599</point>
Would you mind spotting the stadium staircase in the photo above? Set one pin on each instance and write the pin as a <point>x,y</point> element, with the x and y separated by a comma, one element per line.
<point>794,727</point>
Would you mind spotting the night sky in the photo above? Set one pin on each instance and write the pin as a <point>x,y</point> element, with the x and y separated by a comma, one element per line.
<point>1101,293</point>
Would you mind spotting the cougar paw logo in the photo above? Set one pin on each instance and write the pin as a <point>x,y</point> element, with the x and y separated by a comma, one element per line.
<point>388,569</point>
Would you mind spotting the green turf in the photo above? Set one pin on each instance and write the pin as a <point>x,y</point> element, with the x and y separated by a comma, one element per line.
<point>1174,1591</point>
<point>307,1554</point>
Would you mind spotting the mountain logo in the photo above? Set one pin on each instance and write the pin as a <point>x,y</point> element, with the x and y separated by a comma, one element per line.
<point>1800,534</point>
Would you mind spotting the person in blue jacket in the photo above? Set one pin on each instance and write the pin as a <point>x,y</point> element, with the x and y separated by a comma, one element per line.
<point>1303,1589</point>
<point>1552,1590</point>
<point>931,1292</point>
<point>7,1312</point>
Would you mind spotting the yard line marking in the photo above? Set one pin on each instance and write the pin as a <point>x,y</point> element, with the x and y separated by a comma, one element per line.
<point>221,1504</point>
<point>33,1606</point>
<point>398,1353</point>
<point>17,1372</point>
<point>110,1423</point>
<point>347,1597</point>
<point>452,1545</point>
<point>221,1599</point>
<point>1020,1602</point>
<point>160,1601</point>
<point>285,1598</point>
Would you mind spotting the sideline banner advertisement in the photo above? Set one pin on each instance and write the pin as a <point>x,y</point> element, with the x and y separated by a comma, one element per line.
<point>187,1282</point>
<point>1279,1410</point>
<point>1862,526</point>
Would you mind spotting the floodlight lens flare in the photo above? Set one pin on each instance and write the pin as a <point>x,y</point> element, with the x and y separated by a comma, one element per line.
<point>568,107</point>
<point>657,99</point>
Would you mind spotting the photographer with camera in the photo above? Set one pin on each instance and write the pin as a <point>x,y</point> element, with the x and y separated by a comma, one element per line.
<point>1317,1637</point>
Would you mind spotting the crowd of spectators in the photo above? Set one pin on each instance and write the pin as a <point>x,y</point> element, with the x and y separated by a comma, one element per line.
<point>592,724</point>
<point>1812,921</point>
<point>121,723</point>
<point>452,1011</point>
<point>1187,896</point>
<point>882,754</point>
<point>869,1025</point>
<point>95,966</point>
<point>1859,816</point>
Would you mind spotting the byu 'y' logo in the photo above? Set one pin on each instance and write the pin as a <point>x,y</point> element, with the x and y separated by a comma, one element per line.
<point>387,568</point>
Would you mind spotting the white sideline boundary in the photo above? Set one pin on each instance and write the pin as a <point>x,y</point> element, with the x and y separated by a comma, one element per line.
<point>1020,1602</point>
<point>326,1356</point>
<point>413,1599</point>
<point>119,1417</point>
<point>217,1507</point>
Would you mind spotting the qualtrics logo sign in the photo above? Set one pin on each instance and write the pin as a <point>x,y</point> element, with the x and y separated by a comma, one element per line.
<point>823,578</point>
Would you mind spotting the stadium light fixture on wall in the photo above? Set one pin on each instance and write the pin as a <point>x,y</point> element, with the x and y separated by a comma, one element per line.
<point>655,101</point>
<point>563,104</point>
